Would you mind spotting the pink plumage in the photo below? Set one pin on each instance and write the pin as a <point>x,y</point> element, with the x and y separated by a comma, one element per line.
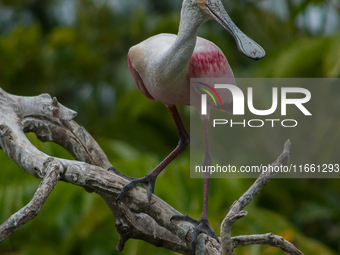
<point>208,61</point>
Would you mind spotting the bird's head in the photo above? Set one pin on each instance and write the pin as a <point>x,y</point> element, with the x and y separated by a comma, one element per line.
<point>214,9</point>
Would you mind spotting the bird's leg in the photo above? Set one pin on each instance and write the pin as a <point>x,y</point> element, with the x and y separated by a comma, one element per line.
<point>206,163</point>
<point>149,180</point>
<point>201,226</point>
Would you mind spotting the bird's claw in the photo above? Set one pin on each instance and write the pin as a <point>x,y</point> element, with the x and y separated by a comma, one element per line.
<point>201,226</point>
<point>113,169</point>
<point>147,181</point>
<point>185,218</point>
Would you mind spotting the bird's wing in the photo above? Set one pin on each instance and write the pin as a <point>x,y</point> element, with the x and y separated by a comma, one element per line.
<point>210,65</point>
<point>208,61</point>
<point>138,80</point>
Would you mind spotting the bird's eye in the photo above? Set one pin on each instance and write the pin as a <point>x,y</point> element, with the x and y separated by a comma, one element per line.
<point>201,3</point>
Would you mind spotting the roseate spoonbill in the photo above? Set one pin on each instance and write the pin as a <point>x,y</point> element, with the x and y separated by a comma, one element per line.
<point>162,66</point>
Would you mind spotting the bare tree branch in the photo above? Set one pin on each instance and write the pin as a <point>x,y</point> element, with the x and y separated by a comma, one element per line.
<point>32,209</point>
<point>235,210</point>
<point>135,216</point>
<point>268,239</point>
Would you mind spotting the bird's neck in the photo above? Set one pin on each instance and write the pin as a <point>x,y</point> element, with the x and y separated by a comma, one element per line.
<point>177,57</point>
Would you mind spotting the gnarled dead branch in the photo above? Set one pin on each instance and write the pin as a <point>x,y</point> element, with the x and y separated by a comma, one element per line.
<point>135,217</point>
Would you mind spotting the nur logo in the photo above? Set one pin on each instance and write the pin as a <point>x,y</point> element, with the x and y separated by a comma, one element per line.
<point>204,96</point>
<point>238,99</point>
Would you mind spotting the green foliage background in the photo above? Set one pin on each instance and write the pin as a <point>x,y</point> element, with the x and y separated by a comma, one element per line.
<point>76,50</point>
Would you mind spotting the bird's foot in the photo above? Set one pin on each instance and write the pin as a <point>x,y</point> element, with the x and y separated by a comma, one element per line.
<point>148,181</point>
<point>201,226</point>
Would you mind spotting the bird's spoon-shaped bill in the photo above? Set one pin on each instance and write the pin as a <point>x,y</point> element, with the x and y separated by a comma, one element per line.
<point>245,45</point>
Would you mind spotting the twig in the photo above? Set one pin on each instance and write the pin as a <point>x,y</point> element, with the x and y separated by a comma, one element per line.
<point>260,182</point>
<point>246,198</point>
<point>32,209</point>
<point>267,239</point>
